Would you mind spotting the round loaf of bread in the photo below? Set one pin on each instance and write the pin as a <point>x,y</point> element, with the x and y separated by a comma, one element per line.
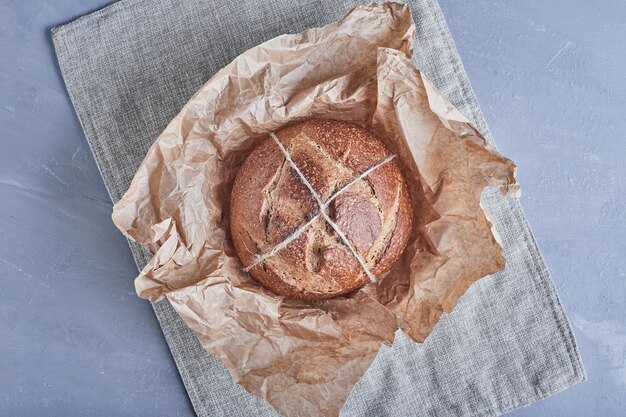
<point>278,230</point>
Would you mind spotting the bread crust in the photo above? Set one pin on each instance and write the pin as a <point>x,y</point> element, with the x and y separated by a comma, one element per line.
<point>269,203</point>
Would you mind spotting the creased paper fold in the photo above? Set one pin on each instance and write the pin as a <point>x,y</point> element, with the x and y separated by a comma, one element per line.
<point>304,357</point>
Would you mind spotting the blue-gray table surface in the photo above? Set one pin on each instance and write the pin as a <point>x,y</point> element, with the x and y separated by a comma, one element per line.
<point>74,338</point>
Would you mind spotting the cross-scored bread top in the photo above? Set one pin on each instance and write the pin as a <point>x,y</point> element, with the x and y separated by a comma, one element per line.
<point>286,241</point>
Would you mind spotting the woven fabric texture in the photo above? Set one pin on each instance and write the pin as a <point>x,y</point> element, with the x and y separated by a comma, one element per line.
<point>130,67</point>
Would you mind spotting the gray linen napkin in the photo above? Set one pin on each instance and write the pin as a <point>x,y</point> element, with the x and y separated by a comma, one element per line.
<point>130,67</point>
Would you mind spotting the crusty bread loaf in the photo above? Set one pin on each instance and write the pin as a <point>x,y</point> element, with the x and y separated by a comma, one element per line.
<point>269,202</point>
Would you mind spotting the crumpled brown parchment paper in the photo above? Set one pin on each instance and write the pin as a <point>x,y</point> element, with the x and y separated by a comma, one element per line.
<point>303,357</point>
